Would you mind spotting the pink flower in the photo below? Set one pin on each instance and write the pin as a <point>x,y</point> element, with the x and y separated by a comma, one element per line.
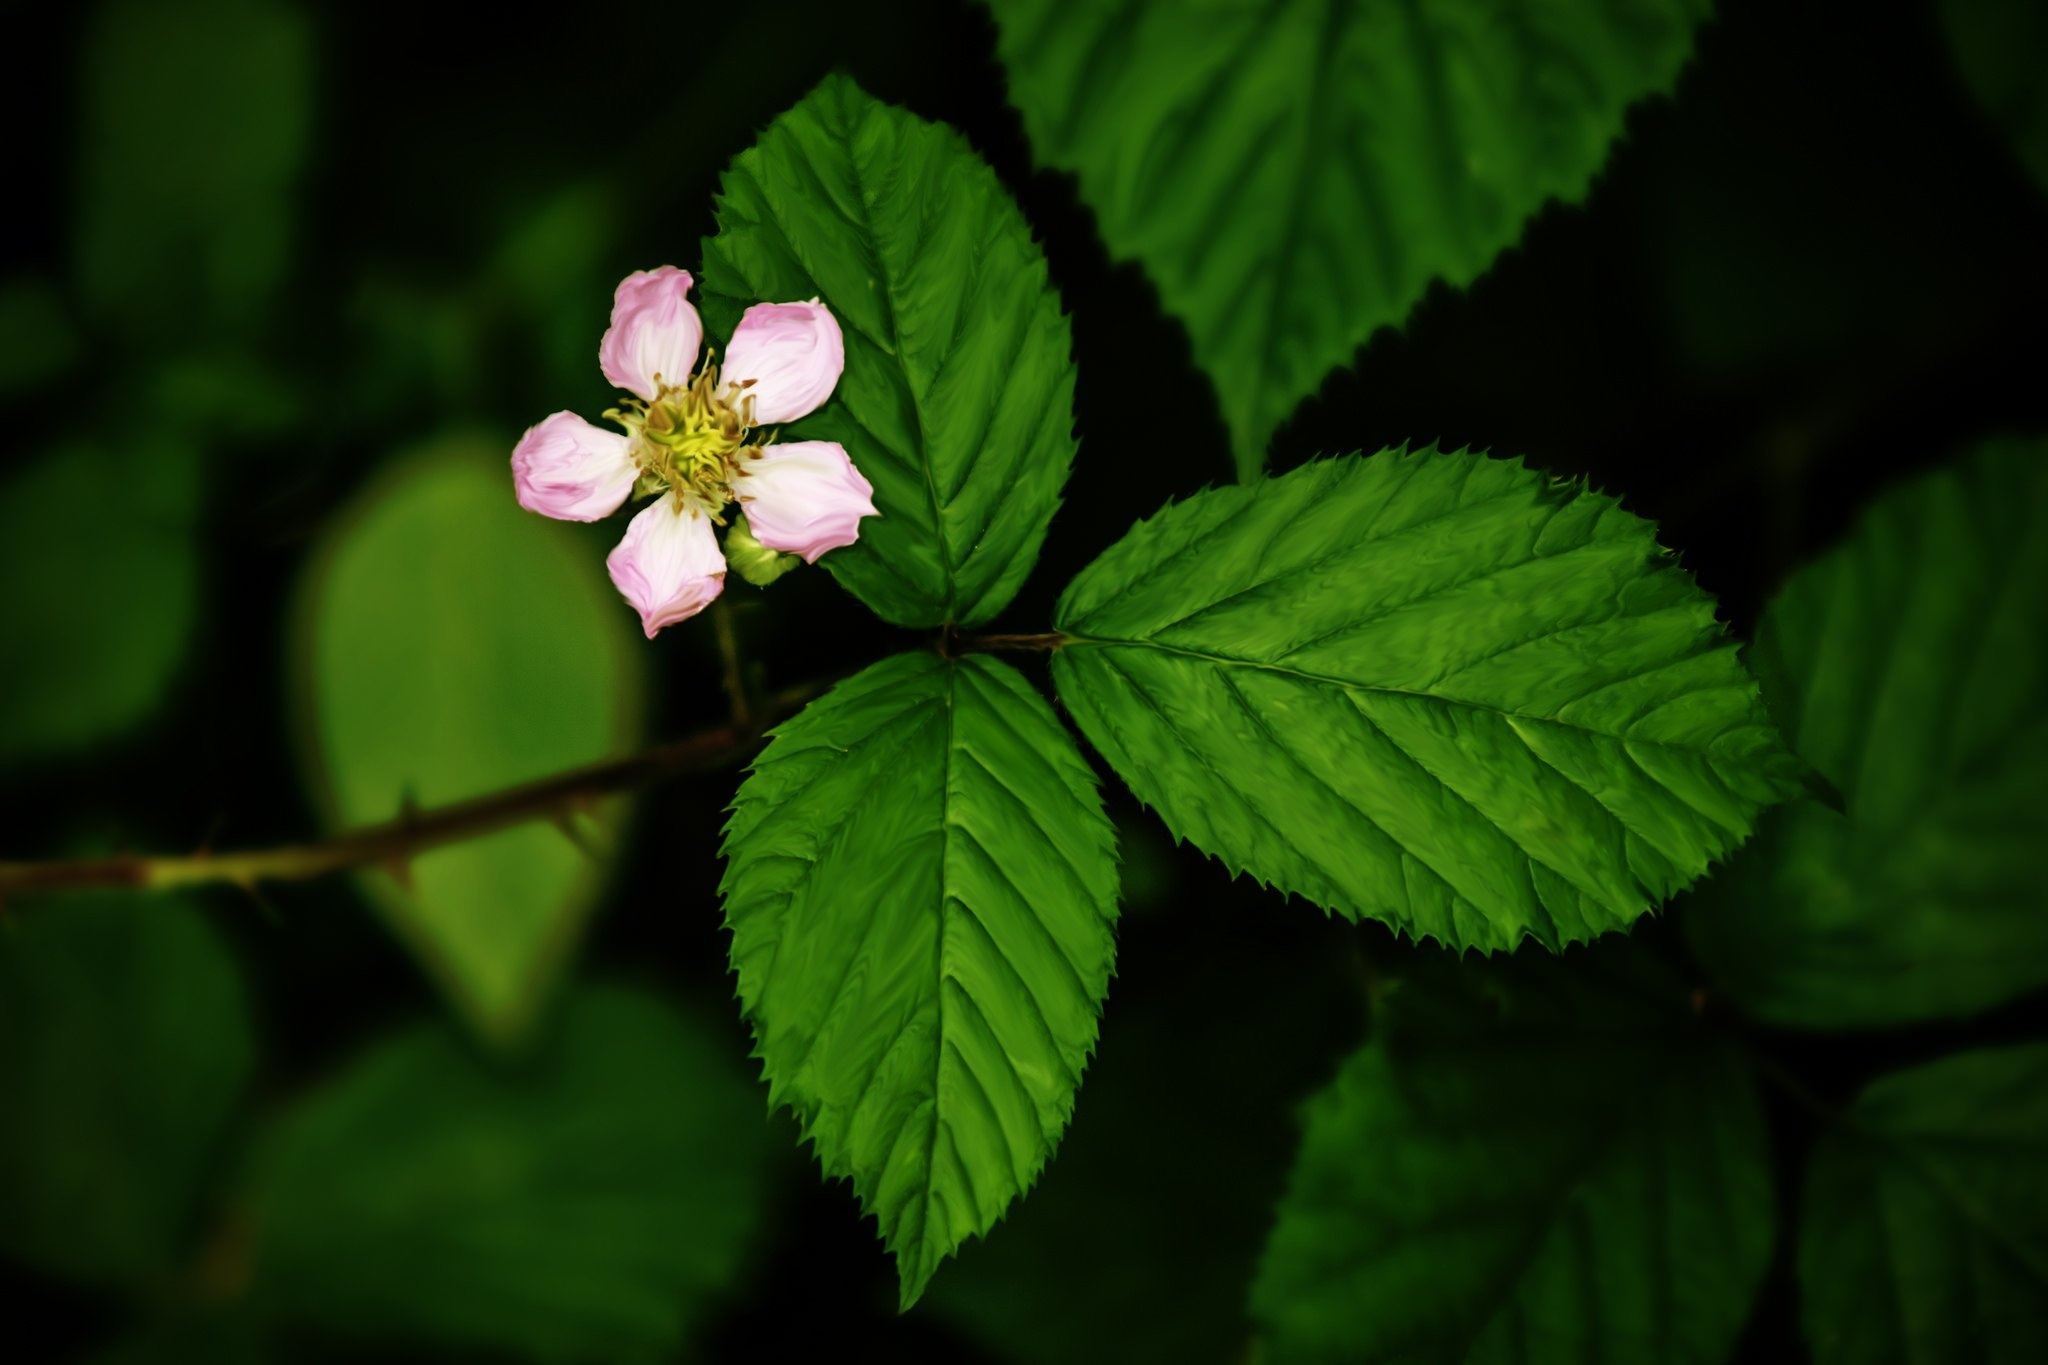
<point>668,566</point>
<point>693,441</point>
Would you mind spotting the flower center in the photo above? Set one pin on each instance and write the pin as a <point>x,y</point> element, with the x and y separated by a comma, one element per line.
<point>688,440</point>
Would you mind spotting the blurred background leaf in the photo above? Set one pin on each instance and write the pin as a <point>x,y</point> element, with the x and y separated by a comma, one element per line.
<point>1542,1160</point>
<point>125,1045</point>
<point>1998,45</point>
<point>1925,1217</point>
<point>38,341</point>
<point>590,1204</point>
<point>452,644</point>
<point>195,120</point>
<point>108,535</point>
<point>1909,665</point>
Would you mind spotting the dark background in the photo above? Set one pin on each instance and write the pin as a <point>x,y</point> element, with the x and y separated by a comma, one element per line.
<point>1816,270</point>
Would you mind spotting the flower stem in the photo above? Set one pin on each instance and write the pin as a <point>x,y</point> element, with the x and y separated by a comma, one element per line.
<point>395,843</point>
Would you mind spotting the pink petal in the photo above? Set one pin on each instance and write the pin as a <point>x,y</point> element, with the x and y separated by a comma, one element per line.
<point>566,468</point>
<point>804,498</point>
<point>655,333</point>
<point>668,566</point>
<point>792,352</point>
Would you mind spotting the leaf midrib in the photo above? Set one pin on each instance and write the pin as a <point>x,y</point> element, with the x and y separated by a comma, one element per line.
<point>1071,641</point>
<point>844,131</point>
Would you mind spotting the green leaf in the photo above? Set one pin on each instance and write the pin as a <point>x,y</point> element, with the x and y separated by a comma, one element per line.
<point>921,888</point>
<point>1997,46</point>
<point>37,339</point>
<point>958,397</point>
<point>1293,173</point>
<point>196,117</point>
<point>1538,1165</point>
<point>592,1205</point>
<point>1924,1230</point>
<point>1441,690</point>
<point>1910,667</point>
<point>125,1044</point>
<point>452,644</point>
<point>101,556</point>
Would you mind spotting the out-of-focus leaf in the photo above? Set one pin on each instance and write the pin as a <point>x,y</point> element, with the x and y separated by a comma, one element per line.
<point>958,397</point>
<point>1294,173</point>
<point>1924,1224</point>
<point>1538,1166</point>
<point>453,644</point>
<point>37,339</point>
<point>100,555</point>
<point>549,274</point>
<point>1998,46</point>
<point>1441,690</point>
<point>225,1338</point>
<point>590,1205</point>
<point>1910,667</point>
<point>125,1042</point>
<point>921,888</point>
<point>195,121</point>
<point>1137,1243</point>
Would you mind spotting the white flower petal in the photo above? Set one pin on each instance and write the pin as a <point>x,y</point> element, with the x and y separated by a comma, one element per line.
<point>668,565</point>
<point>655,333</point>
<point>787,357</point>
<point>563,467</point>
<point>804,498</point>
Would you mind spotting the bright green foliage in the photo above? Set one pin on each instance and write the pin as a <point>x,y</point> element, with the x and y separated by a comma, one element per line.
<point>1562,1168</point>
<point>454,644</point>
<point>1924,1224</point>
<point>125,1042</point>
<point>1910,667</point>
<point>589,1206</point>
<point>958,397</point>
<point>1441,690</point>
<point>1294,173</point>
<point>196,115</point>
<point>921,888</point>
<point>102,559</point>
<point>1997,46</point>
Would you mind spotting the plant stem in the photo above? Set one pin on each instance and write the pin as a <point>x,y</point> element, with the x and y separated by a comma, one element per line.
<point>1043,643</point>
<point>729,655</point>
<point>394,843</point>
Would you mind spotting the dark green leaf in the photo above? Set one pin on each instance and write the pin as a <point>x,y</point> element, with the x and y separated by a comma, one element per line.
<point>1910,667</point>
<point>1537,1166</point>
<point>452,645</point>
<point>958,397</point>
<point>1997,45</point>
<point>125,1042</point>
<point>195,121</point>
<point>921,888</point>
<point>101,558</point>
<point>1293,173</point>
<point>590,1206</point>
<point>1146,1230</point>
<point>37,339</point>
<point>1441,690</point>
<point>1925,1217</point>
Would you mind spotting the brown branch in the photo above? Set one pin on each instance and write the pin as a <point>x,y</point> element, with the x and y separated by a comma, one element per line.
<point>1043,643</point>
<point>394,843</point>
